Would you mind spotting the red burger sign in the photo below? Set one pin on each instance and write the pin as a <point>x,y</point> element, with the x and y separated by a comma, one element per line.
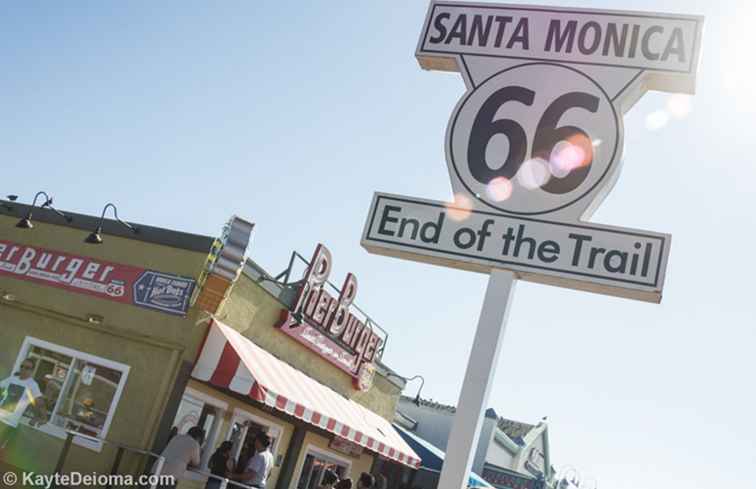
<point>116,282</point>
<point>325,323</point>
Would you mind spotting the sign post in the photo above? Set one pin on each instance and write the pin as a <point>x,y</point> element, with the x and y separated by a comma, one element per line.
<point>481,368</point>
<point>532,148</point>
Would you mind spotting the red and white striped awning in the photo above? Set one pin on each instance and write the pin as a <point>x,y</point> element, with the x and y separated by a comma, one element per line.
<point>230,360</point>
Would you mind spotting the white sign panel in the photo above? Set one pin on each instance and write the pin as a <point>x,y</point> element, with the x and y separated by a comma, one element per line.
<point>535,143</point>
<point>660,42</point>
<point>622,262</point>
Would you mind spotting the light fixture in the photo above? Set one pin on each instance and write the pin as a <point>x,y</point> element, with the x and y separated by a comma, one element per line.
<point>564,479</point>
<point>95,237</point>
<point>420,390</point>
<point>417,399</point>
<point>25,222</point>
<point>11,198</point>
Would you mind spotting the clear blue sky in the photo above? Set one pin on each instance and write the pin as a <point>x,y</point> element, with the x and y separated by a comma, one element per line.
<point>293,114</point>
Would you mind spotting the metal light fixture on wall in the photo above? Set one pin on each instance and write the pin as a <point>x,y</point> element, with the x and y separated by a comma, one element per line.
<point>417,399</point>
<point>11,198</point>
<point>564,480</point>
<point>95,237</point>
<point>25,222</point>
<point>420,390</point>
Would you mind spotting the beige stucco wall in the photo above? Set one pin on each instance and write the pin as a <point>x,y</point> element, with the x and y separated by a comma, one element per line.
<point>152,343</point>
<point>253,311</point>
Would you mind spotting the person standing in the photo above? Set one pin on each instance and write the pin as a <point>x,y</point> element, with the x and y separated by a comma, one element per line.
<point>343,484</point>
<point>260,465</point>
<point>381,482</point>
<point>16,393</point>
<point>181,452</point>
<point>366,481</point>
<point>221,464</point>
<point>329,480</point>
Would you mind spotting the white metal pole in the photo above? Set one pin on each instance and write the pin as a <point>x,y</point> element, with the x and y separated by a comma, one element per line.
<point>481,367</point>
<point>157,472</point>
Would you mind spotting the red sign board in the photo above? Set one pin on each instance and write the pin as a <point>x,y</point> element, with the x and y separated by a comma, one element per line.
<point>106,280</point>
<point>346,447</point>
<point>326,325</point>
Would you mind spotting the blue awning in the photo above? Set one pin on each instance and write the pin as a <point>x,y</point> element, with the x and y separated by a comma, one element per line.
<point>433,457</point>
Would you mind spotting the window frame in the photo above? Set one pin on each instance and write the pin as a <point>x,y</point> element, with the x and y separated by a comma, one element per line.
<point>328,455</point>
<point>57,431</point>
<point>244,415</point>
<point>212,438</point>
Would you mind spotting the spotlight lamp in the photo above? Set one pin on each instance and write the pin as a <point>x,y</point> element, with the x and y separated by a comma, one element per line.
<point>95,237</point>
<point>25,222</point>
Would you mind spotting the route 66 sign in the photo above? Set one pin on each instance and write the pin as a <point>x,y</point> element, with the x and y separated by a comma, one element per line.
<point>550,164</point>
<point>535,143</point>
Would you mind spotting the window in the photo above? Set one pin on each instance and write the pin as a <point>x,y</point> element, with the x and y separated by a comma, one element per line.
<point>80,391</point>
<point>244,428</point>
<point>315,465</point>
<point>198,409</point>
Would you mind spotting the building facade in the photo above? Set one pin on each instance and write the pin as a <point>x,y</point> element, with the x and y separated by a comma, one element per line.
<point>109,327</point>
<point>326,419</point>
<point>510,454</point>
<point>142,332</point>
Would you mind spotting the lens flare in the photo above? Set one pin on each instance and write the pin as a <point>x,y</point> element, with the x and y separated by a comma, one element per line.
<point>657,120</point>
<point>679,105</point>
<point>533,173</point>
<point>499,189</point>
<point>566,157</point>
<point>460,209</point>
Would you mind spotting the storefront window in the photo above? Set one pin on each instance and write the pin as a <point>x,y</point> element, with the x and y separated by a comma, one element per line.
<point>79,391</point>
<point>188,414</point>
<point>315,466</point>
<point>200,410</point>
<point>253,428</point>
<point>243,431</point>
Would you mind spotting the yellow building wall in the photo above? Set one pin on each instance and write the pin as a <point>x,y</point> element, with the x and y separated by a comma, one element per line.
<point>254,312</point>
<point>152,343</point>
<point>137,320</point>
<point>153,367</point>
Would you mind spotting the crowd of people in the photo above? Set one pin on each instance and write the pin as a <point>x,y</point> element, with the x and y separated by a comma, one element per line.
<point>183,452</point>
<point>252,469</point>
<point>366,481</point>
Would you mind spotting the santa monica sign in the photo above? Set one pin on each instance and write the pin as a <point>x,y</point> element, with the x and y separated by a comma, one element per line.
<point>609,38</point>
<point>535,144</point>
<point>532,148</point>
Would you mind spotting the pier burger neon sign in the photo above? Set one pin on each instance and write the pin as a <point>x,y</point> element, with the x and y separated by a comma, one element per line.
<point>326,325</point>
